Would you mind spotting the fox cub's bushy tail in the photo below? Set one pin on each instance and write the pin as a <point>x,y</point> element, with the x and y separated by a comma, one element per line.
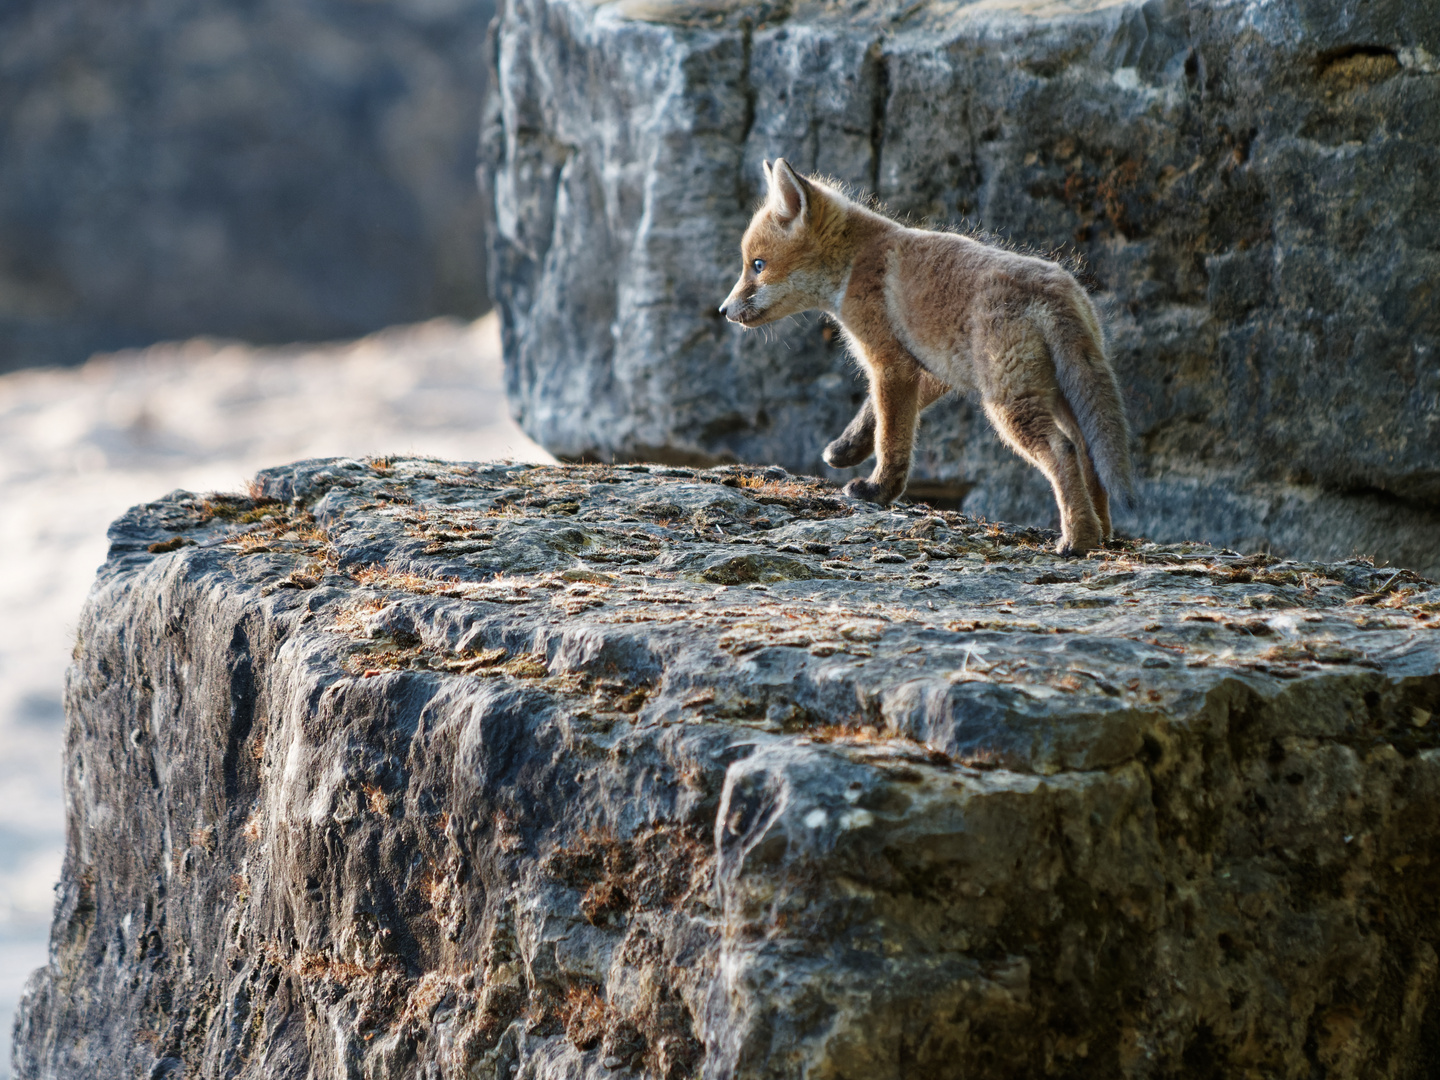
<point>1088,383</point>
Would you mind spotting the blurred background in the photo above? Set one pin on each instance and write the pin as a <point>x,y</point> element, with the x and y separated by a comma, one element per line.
<point>260,173</point>
<point>270,170</point>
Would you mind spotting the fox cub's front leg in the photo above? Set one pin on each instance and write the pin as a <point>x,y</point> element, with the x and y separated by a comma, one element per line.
<point>857,441</point>
<point>895,399</point>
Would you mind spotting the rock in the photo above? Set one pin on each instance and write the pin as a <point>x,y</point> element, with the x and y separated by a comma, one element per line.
<point>411,768</point>
<point>1249,188</point>
<point>270,171</point>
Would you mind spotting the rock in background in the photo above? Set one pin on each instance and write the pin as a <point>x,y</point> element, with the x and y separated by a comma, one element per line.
<point>403,768</point>
<point>1251,188</point>
<point>271,171</point>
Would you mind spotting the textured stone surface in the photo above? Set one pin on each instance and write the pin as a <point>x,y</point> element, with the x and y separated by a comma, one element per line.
<point>272,171</point>
<point>1250,186</point>
<point>486,771</point>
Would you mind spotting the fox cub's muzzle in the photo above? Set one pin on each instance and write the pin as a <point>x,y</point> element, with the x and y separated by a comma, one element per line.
<point>739,306</point>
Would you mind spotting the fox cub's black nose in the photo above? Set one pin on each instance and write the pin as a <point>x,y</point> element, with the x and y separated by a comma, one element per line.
<point>722,309</point>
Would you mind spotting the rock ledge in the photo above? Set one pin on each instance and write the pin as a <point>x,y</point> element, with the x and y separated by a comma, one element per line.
<point>405,768</point>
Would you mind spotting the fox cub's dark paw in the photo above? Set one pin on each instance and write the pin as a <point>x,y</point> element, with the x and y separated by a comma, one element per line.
<point>845,452</point>
<point>870,492</point>
<point>1076,549</point>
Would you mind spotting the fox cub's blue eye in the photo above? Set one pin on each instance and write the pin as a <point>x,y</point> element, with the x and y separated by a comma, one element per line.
<point>758,264</point>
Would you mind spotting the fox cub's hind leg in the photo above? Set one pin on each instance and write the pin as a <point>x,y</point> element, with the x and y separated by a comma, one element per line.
<point>1029,424</point>
<point>857,441</point>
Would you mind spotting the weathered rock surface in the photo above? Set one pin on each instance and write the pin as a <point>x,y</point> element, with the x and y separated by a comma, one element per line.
<point>1250,185</point>
<point>273,171</point>
<point>416,769</point>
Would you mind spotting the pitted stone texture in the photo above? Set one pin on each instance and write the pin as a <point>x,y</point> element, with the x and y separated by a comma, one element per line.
<point>408,768</point>
<point>1248,185</point>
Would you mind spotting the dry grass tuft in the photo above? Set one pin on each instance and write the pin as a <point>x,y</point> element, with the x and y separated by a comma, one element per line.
<point>351,619</point>
<point>780,489</point>
<point>429,990</point>
<point>376,799</point>
<point>320,966</point>
<point>584,1015</point>
<point>663,867</point>
<point>381,577</point>
<point>864,733</point>
<point>528,666</point>
<point>376,660</point>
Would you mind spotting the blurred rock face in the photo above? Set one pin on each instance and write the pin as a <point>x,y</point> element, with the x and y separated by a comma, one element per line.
<point>275,170</point>
<point>1251,188</point>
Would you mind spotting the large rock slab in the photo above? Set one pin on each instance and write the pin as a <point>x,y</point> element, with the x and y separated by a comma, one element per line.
<point>1248,186</point>
<point>272,171</point>
<point>406,768</point>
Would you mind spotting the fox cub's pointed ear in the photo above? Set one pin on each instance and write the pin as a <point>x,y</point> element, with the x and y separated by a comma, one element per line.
<point>789,192</point>
<point>766,166</point>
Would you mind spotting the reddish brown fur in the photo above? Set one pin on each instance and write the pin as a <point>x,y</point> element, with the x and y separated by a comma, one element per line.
<point>927,312</point>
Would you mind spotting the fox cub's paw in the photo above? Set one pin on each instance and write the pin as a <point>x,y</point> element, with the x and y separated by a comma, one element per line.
<point>1077,548</point>
<point>847,450</point>
<point>870,492</point>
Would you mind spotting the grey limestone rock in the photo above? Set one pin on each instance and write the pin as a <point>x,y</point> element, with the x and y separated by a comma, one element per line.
<point>407,768</point>
<point>1249,188</point>
<point>273,171</point>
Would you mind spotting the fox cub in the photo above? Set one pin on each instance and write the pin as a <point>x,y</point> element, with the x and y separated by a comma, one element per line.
<point>927,312</point>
